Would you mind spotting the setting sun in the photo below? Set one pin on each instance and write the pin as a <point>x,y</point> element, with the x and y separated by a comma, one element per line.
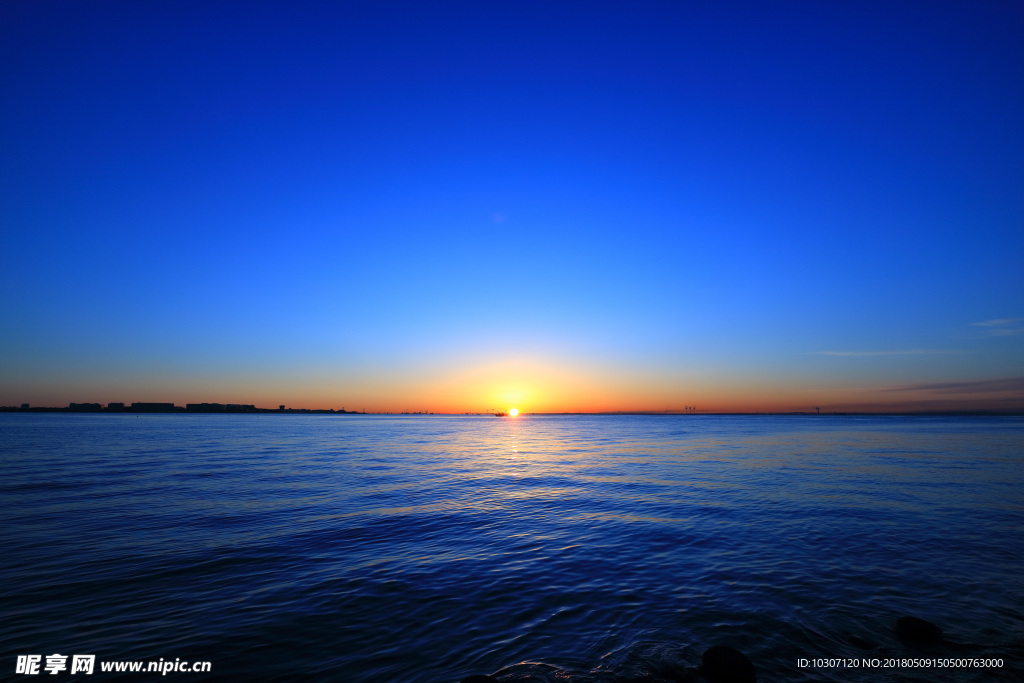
<point>513,411</point>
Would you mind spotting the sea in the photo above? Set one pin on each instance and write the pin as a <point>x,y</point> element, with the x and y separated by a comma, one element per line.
<point>587,549</point>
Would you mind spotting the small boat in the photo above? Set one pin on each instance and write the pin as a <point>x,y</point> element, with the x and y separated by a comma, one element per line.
<point>500,414</point>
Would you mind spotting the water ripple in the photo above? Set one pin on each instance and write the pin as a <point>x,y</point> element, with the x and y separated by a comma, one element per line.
<point>590,549</point>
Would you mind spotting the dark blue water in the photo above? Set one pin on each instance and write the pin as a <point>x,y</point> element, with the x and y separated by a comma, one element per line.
<point>374,548</point>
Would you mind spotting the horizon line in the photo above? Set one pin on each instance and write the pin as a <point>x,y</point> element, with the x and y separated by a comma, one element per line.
<point>237,408</point>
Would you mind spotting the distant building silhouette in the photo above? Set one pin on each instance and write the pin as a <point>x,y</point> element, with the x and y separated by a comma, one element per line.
<point>219,408</point>
<point>205,408</point>
<point>153,407</point>
<point>143,407</point>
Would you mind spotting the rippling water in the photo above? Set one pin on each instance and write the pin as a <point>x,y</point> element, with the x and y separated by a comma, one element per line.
<point>405,548</point>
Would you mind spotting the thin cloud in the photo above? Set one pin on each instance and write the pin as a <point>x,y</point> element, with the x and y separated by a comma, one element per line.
<point>899,352</point>
<point>943,403</point>
<point>989,386</point>
<point>1000,322</point>
<point>1002,327</point>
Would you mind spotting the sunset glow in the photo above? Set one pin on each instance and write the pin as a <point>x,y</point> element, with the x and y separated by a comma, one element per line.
<point>708,221</point>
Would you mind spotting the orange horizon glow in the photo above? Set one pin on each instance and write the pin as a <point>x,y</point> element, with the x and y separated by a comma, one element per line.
<point>584,397</point>
<point>532,384</point>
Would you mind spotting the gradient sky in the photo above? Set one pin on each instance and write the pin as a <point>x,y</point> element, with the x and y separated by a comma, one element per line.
<point>557,205</point>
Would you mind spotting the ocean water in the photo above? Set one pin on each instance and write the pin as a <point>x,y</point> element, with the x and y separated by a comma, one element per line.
<point>542,548</point>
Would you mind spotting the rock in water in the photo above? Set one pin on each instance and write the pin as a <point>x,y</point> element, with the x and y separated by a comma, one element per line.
<point>917,631</point>
<point>723,664</point>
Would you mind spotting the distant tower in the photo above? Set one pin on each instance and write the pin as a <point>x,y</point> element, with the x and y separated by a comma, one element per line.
<point>818,409</point>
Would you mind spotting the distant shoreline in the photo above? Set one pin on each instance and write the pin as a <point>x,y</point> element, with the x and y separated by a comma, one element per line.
<point>170,408</point>
<point>239,409</point>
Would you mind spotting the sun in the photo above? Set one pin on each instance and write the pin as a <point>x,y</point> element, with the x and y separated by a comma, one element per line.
<point>513,411</point>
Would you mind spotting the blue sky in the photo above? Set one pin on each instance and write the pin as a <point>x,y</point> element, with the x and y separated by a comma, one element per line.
<point>585,206</point>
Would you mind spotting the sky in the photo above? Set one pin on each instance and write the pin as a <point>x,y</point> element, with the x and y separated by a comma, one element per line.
<point>558,206</point>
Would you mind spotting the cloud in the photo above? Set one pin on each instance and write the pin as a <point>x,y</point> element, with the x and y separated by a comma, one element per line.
<point>999,322</point>
<point>989,386</point>
<point>1002,327</point>
<point>900,352</point>
<point>977,403</point>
